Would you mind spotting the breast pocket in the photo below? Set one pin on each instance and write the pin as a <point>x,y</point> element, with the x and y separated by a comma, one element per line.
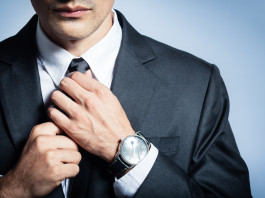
<point>167,145</point>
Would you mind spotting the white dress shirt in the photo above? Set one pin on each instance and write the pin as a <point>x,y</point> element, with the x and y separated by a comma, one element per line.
<point>53,62</point>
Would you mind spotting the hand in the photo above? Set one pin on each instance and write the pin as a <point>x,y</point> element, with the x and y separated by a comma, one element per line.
<point>46,160</point>
<point>96,120</point>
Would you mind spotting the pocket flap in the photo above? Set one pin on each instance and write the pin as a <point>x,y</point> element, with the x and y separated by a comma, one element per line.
<point>165,144</point>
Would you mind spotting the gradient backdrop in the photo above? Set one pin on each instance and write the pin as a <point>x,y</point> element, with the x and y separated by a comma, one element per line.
<point>230,34</point>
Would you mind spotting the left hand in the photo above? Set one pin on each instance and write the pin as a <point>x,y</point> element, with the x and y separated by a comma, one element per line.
<point>96,120</point>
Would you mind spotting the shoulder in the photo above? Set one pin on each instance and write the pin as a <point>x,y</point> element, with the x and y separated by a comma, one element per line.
<point>8,52</point>
<point>15,47</point>
<point>177,58</point>
<point>8,46</point>
<point>178,66</point>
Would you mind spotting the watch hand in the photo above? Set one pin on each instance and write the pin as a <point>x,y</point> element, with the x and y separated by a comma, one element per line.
<point>133,149</point>
<point>138,154</point>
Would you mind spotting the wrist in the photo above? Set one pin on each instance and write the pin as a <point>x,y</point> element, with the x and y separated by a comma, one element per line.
<point>11,187</point>
<point>112,150</point>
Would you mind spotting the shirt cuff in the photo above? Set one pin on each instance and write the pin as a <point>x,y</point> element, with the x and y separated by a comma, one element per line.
<point>128,184</point>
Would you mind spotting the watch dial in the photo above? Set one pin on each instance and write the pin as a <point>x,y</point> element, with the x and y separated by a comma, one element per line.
<point>133,149</point>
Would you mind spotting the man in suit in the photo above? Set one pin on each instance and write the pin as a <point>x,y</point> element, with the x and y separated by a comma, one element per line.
<point>129,83</point>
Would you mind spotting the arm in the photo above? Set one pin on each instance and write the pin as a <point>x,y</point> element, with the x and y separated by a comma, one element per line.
<point>216,168</point>
<point>96,121</point>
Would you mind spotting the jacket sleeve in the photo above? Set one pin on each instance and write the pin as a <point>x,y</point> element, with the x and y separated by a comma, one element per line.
<point>216,168</point>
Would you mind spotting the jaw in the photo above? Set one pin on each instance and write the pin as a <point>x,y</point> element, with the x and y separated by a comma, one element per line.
<point>77,35</point>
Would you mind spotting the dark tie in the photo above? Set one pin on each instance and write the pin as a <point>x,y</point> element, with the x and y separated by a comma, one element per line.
<point>78,185</point>
<point>78,64</point>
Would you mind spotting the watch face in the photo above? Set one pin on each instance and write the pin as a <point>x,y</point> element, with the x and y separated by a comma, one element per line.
<point>133,150</point>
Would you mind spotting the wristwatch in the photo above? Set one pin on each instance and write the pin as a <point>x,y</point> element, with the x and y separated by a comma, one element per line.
<point>132,150</point>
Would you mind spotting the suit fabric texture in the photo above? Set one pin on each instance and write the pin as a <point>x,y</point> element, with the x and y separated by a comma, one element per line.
<point>178,102</point>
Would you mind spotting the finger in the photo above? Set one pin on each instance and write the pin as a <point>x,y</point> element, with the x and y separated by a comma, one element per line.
<point>88,84</point>
<point>73,89</point>
<point>64,102</point>
<point>47,128</point>
<point>68,156</point>
<point>60,119</point>
<point>68,170</point>
<point>88,73</point>
<point>55,142</point>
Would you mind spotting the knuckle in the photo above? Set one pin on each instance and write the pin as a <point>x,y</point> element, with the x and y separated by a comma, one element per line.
<point>101,92</point>
<point>40,142</point>
<point>89,101</point>
<point>37,129</point>
<point>50,155</point>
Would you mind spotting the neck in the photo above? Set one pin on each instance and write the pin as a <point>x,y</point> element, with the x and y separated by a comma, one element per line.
<point>80,46</point>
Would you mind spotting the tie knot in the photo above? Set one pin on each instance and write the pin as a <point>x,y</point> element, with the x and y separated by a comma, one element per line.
<point>78,64</point>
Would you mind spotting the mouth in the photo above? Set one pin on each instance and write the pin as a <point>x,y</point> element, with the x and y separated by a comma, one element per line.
<point>71,12</point>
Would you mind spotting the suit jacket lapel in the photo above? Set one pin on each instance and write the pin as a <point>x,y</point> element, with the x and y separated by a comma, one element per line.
<point>22,100</point>
<point>133,83</point>
<point>21,97</point>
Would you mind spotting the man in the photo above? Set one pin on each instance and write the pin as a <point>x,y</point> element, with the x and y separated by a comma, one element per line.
<point>130,83</point>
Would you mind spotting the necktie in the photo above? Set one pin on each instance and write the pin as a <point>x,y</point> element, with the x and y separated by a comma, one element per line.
<point>78,64</point>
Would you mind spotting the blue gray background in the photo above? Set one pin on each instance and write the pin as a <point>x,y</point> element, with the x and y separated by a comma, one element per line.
<point>230,34</point>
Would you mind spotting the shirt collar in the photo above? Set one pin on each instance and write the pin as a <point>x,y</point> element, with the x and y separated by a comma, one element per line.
<point>100,57</point>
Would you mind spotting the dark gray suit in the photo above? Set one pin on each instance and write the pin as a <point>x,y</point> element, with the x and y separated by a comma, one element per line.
<point>178,102</point>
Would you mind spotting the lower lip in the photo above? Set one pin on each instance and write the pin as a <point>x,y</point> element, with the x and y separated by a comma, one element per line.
<point>71,14</point>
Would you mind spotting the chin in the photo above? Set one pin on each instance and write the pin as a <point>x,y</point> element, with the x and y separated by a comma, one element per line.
<point>73,35</point>
<point>72,32</point>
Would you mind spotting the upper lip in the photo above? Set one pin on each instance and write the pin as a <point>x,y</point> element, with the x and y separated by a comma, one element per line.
<point>71,9</point>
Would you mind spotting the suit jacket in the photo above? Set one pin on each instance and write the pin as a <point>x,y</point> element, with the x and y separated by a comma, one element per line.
<point>179,103</point>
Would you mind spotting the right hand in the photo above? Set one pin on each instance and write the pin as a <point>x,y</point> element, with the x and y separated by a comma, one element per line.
<point>46,160</point>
